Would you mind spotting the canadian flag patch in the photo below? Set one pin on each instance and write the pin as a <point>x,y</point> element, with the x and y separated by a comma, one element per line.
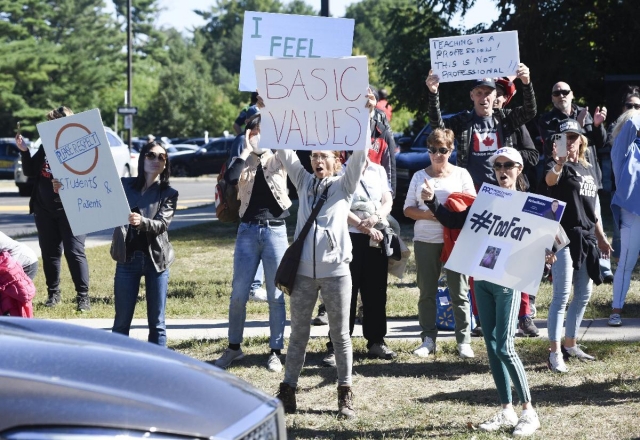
<point>486,142</point>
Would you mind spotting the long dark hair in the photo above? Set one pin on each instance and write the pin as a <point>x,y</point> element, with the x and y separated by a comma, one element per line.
<point>164,176</point>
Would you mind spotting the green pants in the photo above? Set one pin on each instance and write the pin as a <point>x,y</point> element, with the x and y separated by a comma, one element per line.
<point>498,307</point>
<point>429,268</point>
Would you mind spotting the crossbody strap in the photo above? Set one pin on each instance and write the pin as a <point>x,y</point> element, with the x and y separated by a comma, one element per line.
<point>314,214</point>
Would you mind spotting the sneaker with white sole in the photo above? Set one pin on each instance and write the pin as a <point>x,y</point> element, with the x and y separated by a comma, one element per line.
<point>614,320</point>
<point>465,351</point>
<point>527,425</point>
<point>229,356</point>
<point>556,362</point>
<point>379,350</point>
<point>506,418</point>
<point>576,352</point>
<point>427,347</point>
<point>274,364</point>
<point>258,295</point>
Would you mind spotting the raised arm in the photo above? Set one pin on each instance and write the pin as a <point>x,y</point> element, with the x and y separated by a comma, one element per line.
<point>294,168</point>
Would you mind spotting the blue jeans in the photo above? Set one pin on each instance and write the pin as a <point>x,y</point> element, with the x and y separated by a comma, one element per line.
<point>255,243</point>
<point>126,287</point>
<point>563,276</point>
<point>258,279</point>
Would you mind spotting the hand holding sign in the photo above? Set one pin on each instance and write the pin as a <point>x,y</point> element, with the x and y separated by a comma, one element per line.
<point>427,193</point>
<point>433,82</point>
<point>523,74</point>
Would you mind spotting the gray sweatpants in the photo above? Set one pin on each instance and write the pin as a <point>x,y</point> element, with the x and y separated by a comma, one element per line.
<point>336,293</point>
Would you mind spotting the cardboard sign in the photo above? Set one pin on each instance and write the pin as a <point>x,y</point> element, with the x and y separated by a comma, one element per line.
<point>314,104</point>
<point>475,56</point>
<point>288,36</point>
<point>505,237</point>
<point>80,158</point>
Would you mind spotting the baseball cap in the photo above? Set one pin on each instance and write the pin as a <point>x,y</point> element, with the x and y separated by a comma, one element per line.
<point>483,82</point>
<point>509,153</point>
<point>253,110</point>
<point>508,87</point>
<point>570,126</point>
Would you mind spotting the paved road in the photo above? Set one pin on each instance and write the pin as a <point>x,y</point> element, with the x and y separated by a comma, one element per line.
<point>399,329</point>
<point>14,210</point>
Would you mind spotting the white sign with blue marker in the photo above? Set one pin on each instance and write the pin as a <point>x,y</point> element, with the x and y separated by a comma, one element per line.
<point>478,56</point>
<point>291,36</point>
<point>80,158</point>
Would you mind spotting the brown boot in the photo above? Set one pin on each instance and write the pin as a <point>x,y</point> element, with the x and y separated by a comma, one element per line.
<point>287,395</point>
<point>345,402</point>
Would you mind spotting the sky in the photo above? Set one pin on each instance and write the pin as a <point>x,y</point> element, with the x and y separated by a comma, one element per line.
<point>179,14</point>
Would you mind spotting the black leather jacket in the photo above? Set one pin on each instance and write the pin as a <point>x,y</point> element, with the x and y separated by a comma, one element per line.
<point>157,207</point>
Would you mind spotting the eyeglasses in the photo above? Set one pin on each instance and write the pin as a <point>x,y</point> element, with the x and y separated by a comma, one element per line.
<point>441,150</point>
<point>160,156</point>
<point>561,92</point>
<point>630,105</point>
<point>323,157</point>
<point>506,165</point>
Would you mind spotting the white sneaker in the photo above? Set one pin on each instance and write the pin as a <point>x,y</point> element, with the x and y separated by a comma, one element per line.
<point>229,356</point>
<point>274,364</point>
<point>615,320</point>
<point>577,352</point>
<point>427,347</point>
<point>506,418</point>
<point>527,425</point>
<point>258,295</point>
<point>556,362</point>
<point>465,351</point>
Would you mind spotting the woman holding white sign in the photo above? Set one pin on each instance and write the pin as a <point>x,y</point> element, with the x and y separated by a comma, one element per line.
<point>54,231</point>
<point>498,307</point>
<point>142,248</point>
<point>573,180</point>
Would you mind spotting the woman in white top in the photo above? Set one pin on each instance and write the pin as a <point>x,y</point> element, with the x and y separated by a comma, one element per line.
<point>428,241</point>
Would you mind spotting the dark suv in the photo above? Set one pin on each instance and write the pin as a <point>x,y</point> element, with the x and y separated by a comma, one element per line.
<point>9,155</point>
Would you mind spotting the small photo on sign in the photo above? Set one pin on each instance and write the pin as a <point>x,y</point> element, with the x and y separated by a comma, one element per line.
<point>551,209</point>
<point>490,257</point>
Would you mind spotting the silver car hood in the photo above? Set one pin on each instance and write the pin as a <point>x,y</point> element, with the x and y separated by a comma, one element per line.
<point>65,375</point>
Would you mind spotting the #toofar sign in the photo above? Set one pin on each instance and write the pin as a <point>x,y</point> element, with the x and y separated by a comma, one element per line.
<point>314,104</point>
<point>80,158</point>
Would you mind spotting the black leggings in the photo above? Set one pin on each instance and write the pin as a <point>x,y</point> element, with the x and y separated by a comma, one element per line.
<point>54,231</point>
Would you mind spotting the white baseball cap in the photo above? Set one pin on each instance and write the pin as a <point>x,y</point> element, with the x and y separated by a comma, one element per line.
<point>509,153</point>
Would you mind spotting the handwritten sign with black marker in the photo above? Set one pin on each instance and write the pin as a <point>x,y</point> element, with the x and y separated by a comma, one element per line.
<point>291,36</point>
<point>314,104</point>
<point>80,158</point>
<point>476,56</point>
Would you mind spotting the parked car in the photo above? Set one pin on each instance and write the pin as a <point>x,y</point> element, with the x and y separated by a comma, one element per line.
<point>63,381</point>
<point>413,156</point>
<point>123,159</point>
<point>9,155</point>
<point>179,149</point>
<point>207,160</point>
<point>200,142</point>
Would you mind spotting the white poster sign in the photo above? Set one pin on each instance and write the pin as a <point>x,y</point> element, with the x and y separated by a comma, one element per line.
<point>505,236</point>
<point>477,56</point>
<point>314,103</point>
<point>288,36</point>
<point>80,157</point>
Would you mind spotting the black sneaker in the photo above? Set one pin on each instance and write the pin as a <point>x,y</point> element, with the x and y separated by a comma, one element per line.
<point>329,360</point>
<point>321,318</point>
<point>287,395</point>
<point>53,300</point>
<point>527,326</point>
<point>477,332</point>
<point>83,303</point>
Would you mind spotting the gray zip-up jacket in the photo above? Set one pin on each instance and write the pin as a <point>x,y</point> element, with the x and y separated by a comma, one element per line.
<point>327,247</point>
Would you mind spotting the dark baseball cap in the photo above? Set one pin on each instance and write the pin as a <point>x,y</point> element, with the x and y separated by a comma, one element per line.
<point>570,126</point>
<point>483,82</point>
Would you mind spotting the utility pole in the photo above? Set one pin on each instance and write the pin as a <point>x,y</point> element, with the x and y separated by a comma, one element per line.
<point>129,50</point>
<point>324,8</point>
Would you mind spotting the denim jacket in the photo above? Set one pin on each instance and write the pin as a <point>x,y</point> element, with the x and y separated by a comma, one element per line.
<point>274,174</point>
<point>157,207</point>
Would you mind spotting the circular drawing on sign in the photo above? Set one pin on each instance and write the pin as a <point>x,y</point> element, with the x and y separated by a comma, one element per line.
<point>95,160</point>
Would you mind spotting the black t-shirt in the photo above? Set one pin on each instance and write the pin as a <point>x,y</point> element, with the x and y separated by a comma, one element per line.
<point>46,199</point>
<point>262,204</point>
<point>485,140</point>
<point>136,241</point>
<point>578,189</point>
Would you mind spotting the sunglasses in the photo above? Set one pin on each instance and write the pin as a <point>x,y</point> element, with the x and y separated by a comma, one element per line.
<point>630,105</point>
<point>324,157</point>
<point>561,92</point>
<point>506,165</point>
<point>160,156</point>
<point>440,150</point>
